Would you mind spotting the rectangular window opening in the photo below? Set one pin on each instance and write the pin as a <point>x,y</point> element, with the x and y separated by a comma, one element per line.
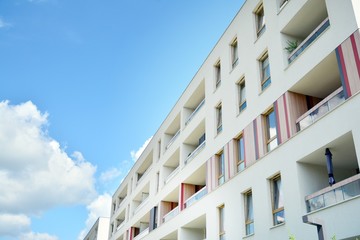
<point>219,118</point>
<point>260,20</point>
<point>234,53</point>
<point>277,201</point>
<point>249,213</point>
<point>265,72</point>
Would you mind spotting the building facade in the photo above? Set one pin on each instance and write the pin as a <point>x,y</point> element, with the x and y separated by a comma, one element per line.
<point>264,141</point>
<point>100,230</point>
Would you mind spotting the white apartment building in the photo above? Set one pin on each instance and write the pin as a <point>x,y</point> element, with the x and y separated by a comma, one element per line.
<point>100,230</point>
<point>264,143</point>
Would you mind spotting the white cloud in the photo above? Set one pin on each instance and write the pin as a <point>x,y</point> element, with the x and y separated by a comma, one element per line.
<point>4,24</point>
<point>136,154</point>
<point>110,175</point>
<point>37,236</point>
<point>35,173</point>
<point>100,207</point>
<point>11,224</point>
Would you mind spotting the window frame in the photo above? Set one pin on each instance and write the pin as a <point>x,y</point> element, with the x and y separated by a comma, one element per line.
<point>220,161</point>
<point>219,122</point>
<point>268,138</point>
<point>248,221</point>
<point>234,52</point>
<point>260,20</point>
<point>265,80</point>
<point>241,85</point>
<point>240,161</point>
<point>221,211</point>
<point>277,199</point>
<point>217,68</point>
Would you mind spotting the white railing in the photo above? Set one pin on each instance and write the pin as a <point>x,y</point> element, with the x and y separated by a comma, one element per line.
<point>143,175</point>
<point>142,234</point>
<point>196,197</point>
<point>172,139</point>
<point>172,174</point>
<point>121,225</point>
<point>171,214</point>
<point>320,109</point>
<point>339,192</point>
<point>141,205</point>
<point>195,152</point>
<point>195,111</point>
<point>310,39</point>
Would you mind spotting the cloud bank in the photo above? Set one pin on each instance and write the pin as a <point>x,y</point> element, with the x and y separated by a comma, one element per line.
<point>31,164</point>
<point>136,154</point>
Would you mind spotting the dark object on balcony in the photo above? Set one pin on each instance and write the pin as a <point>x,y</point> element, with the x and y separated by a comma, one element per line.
<point>329,166</point>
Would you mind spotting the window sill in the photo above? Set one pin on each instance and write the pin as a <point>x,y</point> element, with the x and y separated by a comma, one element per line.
<point>248,236</point>
<point>278,225</point>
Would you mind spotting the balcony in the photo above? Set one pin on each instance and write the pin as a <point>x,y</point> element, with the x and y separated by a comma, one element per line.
<point>171,214</point>
<point>195,152</point>
<point>339,192</point>
<point>172,140</point>
<point>196,197</point>
<point>309,40</point>
<point>141,176</point>
<point>320,109</point>
<point>194,112</point>
<point>120,225</point>
<point>142,234</point>
<point>172,174</point>
<point>142,203</point>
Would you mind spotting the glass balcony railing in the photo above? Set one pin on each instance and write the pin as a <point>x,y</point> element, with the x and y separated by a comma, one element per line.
<point>195,152</point>
<point>195,111</point>
<point>196,197</point>
<point>171,214</point>
<point>320,109</point>
<point>310,39</point>
<point>339,192</point>
<point>172,140</point>
<point>142,176</point>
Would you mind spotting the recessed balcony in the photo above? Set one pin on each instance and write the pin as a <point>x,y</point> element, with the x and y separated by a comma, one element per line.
<point>323,107</point>
<point>337,193</point>
<point>196,197</point>
<point>309,40</point>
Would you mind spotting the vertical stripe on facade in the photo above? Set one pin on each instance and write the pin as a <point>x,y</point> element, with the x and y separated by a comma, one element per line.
<point>278,129</point>
<point>343,73</point>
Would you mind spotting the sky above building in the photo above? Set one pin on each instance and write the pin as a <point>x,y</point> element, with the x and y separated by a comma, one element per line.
<point>83,86</point>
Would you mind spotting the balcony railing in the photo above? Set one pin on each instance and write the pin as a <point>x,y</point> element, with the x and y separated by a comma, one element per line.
<point>143,202</point>
<point>172,174</point>
<point>310,39</point>
<point>142,176</point>
<point>339,192</point>
<point>171,214</point>
<point>172,139</point>
<point>320,109</point>
<point>142,234</point>
<point>121,225</point>
<point>195,152</point>
<point>195,111</point>
<point>196,197</point>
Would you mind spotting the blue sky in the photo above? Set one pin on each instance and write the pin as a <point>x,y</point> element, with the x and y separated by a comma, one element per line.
<point>100,76</point>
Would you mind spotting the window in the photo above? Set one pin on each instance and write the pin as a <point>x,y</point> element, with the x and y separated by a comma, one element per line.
<point>277,201</point>
<point>217,67</point>
<point>221,223</point>
<point>249,213</point>
<point>282,3</point>
<point>271,137</point>
<point>260,20</point>
<point>159,149</point>
<point>240,152</point>
<point>265,71</point>
<point>219,118</point>
<point>220,168</point>
<point>234,53</point>
<point>242,94</point>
